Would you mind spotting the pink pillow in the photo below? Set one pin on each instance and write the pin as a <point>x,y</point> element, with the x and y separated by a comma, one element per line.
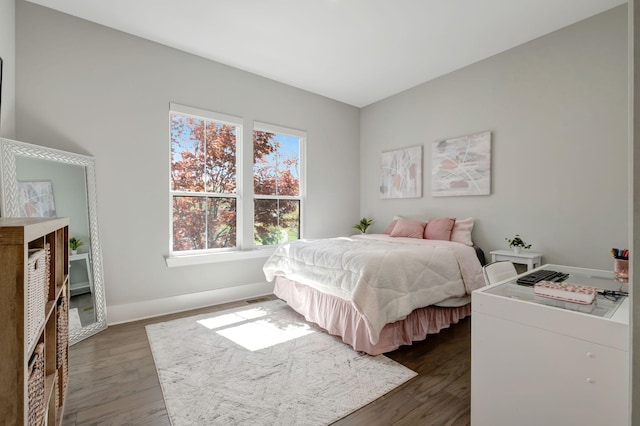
<point>439,228</point>
<point>408,228</point>
<point>461,232</point>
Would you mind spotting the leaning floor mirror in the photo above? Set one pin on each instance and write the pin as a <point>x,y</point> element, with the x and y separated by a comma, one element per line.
<point>45,182</point>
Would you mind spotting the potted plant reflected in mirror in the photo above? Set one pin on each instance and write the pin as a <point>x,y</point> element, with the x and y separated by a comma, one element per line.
<point>517,243</point>
<point>363,225</point>
<point>74,243</point>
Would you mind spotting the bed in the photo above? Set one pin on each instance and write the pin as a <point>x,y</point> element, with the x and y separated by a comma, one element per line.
<point>379,291</point>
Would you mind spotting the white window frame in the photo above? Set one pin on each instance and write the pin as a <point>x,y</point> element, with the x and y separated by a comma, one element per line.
<point>223,119</point>
<point>245,247</point>
<point>302,136</point>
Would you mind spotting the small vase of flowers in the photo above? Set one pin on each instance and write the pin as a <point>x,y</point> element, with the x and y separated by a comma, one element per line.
<point>517,243</point>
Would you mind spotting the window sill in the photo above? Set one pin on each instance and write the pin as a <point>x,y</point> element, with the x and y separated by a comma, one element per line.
<point>229,256</point>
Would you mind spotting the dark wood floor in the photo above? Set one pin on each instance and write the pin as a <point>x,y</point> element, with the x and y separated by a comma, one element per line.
<point>113,380</point>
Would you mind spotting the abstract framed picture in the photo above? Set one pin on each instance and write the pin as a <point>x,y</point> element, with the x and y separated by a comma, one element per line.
<point>36,199</point>
<point>401,173</point>
<point>461,166</point>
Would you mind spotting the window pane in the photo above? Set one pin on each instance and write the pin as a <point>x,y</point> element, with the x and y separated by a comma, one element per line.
<point>290,218</point>
<point>276,164</point>
<point>276,221</point>
<point>220,173</point>
<point>194,168</point>
<point>201,223</point>
<point>265,222</point>
<point>288,165</point>
<point>221,222</point>
<point>187,153</point>
<point>264,163</point>
<point>189,223</point>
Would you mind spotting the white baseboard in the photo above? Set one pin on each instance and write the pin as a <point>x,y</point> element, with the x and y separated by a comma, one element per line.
<point>117,314</point>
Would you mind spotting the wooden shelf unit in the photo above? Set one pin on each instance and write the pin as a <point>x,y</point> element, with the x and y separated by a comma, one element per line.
<point>17,237</point>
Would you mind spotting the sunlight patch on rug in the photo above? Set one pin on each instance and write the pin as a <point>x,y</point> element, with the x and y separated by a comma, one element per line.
<point>262,365</point>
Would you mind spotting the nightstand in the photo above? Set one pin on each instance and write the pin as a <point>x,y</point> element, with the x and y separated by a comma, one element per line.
<point>529,258</point>
<point>80,288</point>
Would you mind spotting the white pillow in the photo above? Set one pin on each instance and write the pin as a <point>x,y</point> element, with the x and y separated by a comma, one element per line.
<point>461,232</point>
<point>391,225</point>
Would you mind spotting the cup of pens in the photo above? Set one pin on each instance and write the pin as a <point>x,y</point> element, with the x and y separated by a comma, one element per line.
<point>620,265</point>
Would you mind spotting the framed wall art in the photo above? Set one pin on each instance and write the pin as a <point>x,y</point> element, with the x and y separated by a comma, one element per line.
<point>461,166</point>
<point>401,173</point>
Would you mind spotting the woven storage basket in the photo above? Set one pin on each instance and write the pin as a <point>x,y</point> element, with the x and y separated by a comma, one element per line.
<point>37,292</point>
<point>56,391</point>
<point>62,330</point>
<point>64,380</point>
<point>35,387</point>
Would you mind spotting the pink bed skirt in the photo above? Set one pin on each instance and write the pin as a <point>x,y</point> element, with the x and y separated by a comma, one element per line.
<point>339,318</point>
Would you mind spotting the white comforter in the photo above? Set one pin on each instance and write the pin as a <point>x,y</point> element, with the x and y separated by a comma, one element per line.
<point>385,278</point>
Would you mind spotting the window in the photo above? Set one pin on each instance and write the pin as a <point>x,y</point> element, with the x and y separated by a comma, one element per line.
<point>276,184</point>
<point>204,152</point>
<point>212,208</point>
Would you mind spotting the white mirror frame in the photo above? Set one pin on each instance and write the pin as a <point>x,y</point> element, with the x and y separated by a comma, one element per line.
<point>9,150</point>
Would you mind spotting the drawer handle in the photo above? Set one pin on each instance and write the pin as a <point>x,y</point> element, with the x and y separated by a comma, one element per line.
<point>590,380</point>
<point>590,355</point>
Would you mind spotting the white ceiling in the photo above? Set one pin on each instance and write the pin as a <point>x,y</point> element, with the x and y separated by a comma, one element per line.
<point>354,51</point>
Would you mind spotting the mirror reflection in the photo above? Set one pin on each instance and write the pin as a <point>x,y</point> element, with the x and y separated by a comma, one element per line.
<point>45,182</point>
<point>49,189</point>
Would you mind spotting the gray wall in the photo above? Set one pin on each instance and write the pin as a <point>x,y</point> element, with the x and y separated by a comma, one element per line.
<point>557,107</point>
<point>95,91</point>
<point>8,55</point>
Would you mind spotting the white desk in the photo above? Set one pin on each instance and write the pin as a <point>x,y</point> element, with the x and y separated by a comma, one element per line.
<point>538,361</point>
<point>529,258</point>
<point>81,286</point>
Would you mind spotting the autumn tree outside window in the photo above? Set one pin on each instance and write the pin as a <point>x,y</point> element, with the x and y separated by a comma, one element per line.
<point>212,209</point>
<point>276,184</point>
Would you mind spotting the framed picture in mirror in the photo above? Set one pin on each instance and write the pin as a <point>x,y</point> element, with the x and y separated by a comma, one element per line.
<point>36,199</point>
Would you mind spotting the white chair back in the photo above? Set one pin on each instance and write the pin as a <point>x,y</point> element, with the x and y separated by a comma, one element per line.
<point>498,271</point>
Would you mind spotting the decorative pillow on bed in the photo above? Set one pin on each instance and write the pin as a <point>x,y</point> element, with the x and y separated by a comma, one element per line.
<point>439,228</point>
<point>407,228</point>
<point>461,232</point>
<point>391,225</point>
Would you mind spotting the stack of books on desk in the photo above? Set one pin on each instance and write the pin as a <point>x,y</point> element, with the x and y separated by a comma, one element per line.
<point>566,291</point>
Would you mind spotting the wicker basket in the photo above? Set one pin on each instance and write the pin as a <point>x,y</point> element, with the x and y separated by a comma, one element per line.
<point>35,387</point>
<point>64,381</point>
<point>56,392</point>
<point>62,330</point>
<point>37,292</point>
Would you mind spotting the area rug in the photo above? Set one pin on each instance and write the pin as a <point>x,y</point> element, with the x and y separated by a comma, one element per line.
<point>262,364</point>
<point>74,319</point>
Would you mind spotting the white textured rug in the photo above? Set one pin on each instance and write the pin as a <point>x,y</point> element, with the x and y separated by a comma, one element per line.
<point>74,319</point>
<point>263,365</point>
